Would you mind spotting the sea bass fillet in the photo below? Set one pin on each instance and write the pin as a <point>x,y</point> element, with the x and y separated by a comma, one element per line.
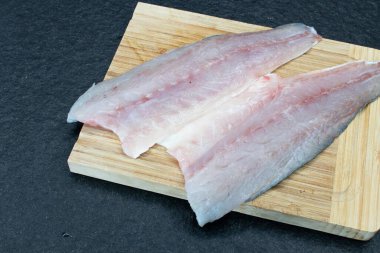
<point>156,99</point>
<point>268,132</point>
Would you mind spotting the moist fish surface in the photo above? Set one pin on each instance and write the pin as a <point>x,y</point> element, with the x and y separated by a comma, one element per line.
<point>154,100</point>
<point>260,136</point>
<point>195,139</point>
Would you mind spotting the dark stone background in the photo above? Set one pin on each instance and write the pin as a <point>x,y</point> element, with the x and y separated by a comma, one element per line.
<point>50,52</point>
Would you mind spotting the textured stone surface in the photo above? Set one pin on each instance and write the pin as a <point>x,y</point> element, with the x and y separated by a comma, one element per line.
<point>50,52</point>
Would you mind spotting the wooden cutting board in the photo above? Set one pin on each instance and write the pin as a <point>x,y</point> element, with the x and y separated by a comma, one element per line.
<point>338,192</point>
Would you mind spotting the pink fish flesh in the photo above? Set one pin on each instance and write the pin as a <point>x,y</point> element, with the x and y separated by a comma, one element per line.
<point>268,132</point>
<point>154,100</point>
<point>195,139</point>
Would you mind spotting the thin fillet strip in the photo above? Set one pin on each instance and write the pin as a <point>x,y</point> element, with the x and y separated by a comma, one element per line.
<point>293,121</point>
<point>157,98</point>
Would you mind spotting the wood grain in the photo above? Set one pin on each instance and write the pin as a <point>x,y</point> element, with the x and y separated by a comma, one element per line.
<point>337,192</point>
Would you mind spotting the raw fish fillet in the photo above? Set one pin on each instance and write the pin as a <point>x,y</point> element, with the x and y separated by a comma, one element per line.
<point>154,100</point>
<point>268,132</point>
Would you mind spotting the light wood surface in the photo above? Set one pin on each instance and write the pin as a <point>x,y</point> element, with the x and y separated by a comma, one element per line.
<point>337,192</point>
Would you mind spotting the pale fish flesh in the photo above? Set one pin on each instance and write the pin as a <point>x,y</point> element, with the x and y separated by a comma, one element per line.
<point>260,136</point>
<point>154,100</point>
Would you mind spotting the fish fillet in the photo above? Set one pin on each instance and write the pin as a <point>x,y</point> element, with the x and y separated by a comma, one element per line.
<point>259,137</point>
<point>154,100</point>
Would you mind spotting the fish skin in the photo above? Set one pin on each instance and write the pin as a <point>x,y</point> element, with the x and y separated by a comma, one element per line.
<point>156,99</point>
<point>305,115</point>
